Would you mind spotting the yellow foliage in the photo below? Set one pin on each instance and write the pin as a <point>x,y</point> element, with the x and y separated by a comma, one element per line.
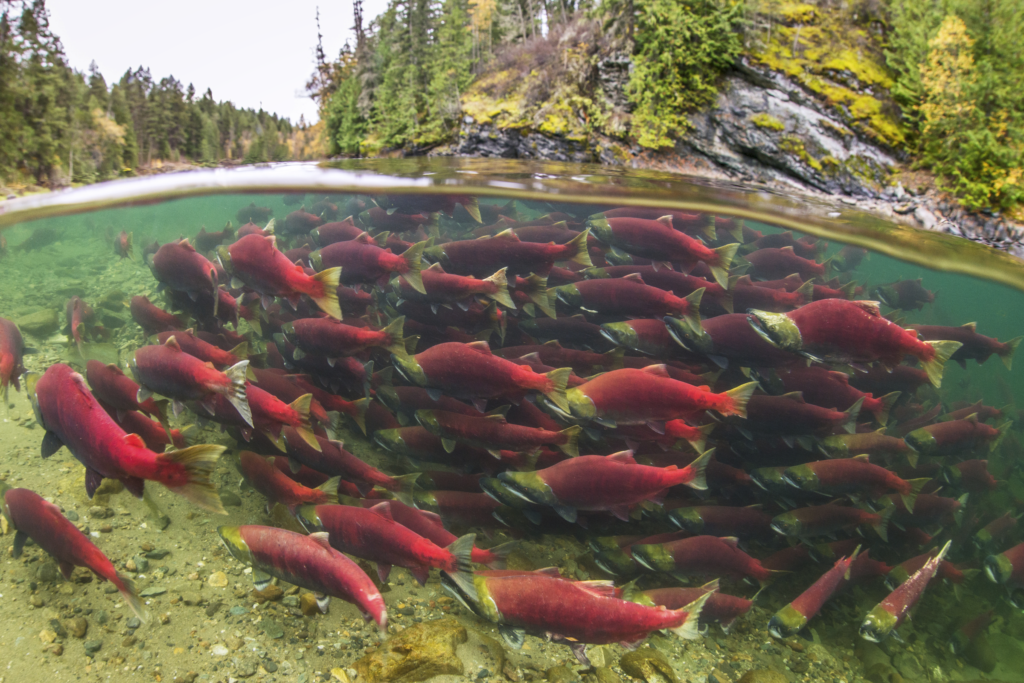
<point>107,130</point>
<point>764,120</point>
<point>948,74</point>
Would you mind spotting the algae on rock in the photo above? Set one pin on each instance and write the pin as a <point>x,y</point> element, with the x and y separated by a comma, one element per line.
<point>416,654</point>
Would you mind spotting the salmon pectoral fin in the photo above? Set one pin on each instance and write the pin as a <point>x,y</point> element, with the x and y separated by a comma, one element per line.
<point>51,444</point>
<point>93,479</point>
<point>135,486</point>
<point>20,537</point>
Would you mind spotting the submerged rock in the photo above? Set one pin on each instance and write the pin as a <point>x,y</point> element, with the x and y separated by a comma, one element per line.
<point>649,665</point>
<point>42,323</point>
<point>763,676</point>
<point>416,654</point>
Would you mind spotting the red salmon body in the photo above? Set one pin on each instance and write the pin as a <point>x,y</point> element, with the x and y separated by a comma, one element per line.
<point>269,481</point>
<point>332,338</point>
<point>257,262</point>
<point>340,231</point>
<point>32,517</point>
<point>483,256</point>
<point>362,261</point>
<point>117,390</point>
<point>205,241</point>
<point>773,263</point>
<point>204,351</point>
<point>12,349</point>
<point>300,222</point>
<point>701,556</point>
<point>974,345</point>
<point>153,319</point>
<point>180,267</point>
<point>72,417</point>
<point>831,389</point>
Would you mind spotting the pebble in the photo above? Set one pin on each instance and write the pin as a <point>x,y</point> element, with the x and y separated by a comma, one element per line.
<point>230,499</point>
<point>212,608</point>
<point>152,591</point>
<point>141,563</point>
<point>234,642</point>
<point>273,629</point>
<point>219,650</point>
<point>58,628</point>
<point>72,515</point>
<point>78,627</point>
<point>237,611</point>
<point>218,580</point>
<point>157,554</point>
<point>101,617</point>
<point>134,623</point>
<point>93,646</point>
<point>35,601</point>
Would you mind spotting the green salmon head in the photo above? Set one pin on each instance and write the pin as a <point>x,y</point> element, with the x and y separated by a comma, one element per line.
<point>688,519</point>
<point>428,420</point>
<point>309,519</point>
<point>231,536</point>
<point>434,254</point>
<point>768,478</point>
<point>684,335</point>
<point>778,329</point>
<point>835,446</point>
<point>877,625</point>
<point>615,562</point>
<point>581,406</point>
<point>802,477</point>
<point>316,260</point>
<point>224,256</point>
<point>30,379</point>
<point>998,568</point>
<point>921,440</point>
<point>653,557</point>
<point>786,622</point>
<point>390,440</point>
<point>595,273</point>
<point>288,330</point>
<point>528,486</point>
<point>601,229</point>
<point>499,491</point>
<point>410,368</point>
<point>389,397</point>
<point>621,334</point>
<point>569,295</point>
<point>787,524</point>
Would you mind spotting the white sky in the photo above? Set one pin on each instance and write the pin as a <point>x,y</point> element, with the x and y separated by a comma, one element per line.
<point>254,53</point>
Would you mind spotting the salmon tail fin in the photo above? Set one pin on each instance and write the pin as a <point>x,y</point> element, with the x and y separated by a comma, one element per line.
<point>698,471</point>
<point>241,351</point>
<point>358,413</point>
<point>806,291</point>
<point>128,247</point>
<point>725,301</point>
<point>403,487</point>
<point>882,414</point>
<point>559,380</point>
<point>395,339</point>
<point>935,366</point>
<point>501,285</point>
<point>698,442</point>
<point>536,290</point>
<point>499,554</point>
<point>690,628</point>
<point>330,489</point>
<point>577,246</point>
<point>236,390</point>
<point>852,413</point>
<point>413,257</point>
<point>739,397</point>
<point>720,269</point>
<point>881,527</point>
<point>709,230</point>
<point>849,290</point>
<point>131,596</point>
<point>571,445</point>
<point>736,230</point>
<point>911,495</point>
<point>993,446</point>
<point>462,550</point>
<point>301,406</point>
<point>692,314</point>
<point>327,296</point>
<point>1005,352</point>
<point>199,463</point>
<point>472,207</point>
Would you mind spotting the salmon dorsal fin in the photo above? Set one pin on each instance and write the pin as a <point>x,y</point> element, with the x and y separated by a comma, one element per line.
<point>321,537</point>
<point>665,220</point>
<point>532,358</point>
<point>863,457</point>
<point>116,369</point>
<point>634,277</point>
<point>507,234</point>
<point>973,327</point>
<point>745,281</point>
<point>190,332</point>
<point>480,347</point>
<point>364,238</point>
<point>660,370</point>
<point>973,417</point>
<point>840,377</point>
<point>134,440</point>
<point>553,344</point>
<point>797,396</point>
<point>623,457</point>
<point>549,571</point>
<point>383,509</point>
<point>185,243</point>
<point>272,240</point>
<point>436,268</point>
<point>173,343</point>
<point>731,541</point>
<point>870,307</point>
<point>789,249</point>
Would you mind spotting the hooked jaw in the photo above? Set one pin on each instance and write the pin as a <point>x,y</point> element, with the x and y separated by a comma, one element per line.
<point>778,329</point>
<point>786,527</point>
<point>801,477</point>
<point>688,519</point>
<point>686,336</point>
<point>528,486</point>
<point>786,622</point>
<point>620,334</point>
<point>389,440</point>
<point>998,568</point>
<point>653,557</point>
<point>224,256</point>
<point>410,368</point>
<point>877,625</point>
<point>601,229</point>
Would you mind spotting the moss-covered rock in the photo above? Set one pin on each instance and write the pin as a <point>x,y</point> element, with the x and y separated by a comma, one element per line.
<point>416,654</point>
<point>41,324</point>
<point>648,665</point>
